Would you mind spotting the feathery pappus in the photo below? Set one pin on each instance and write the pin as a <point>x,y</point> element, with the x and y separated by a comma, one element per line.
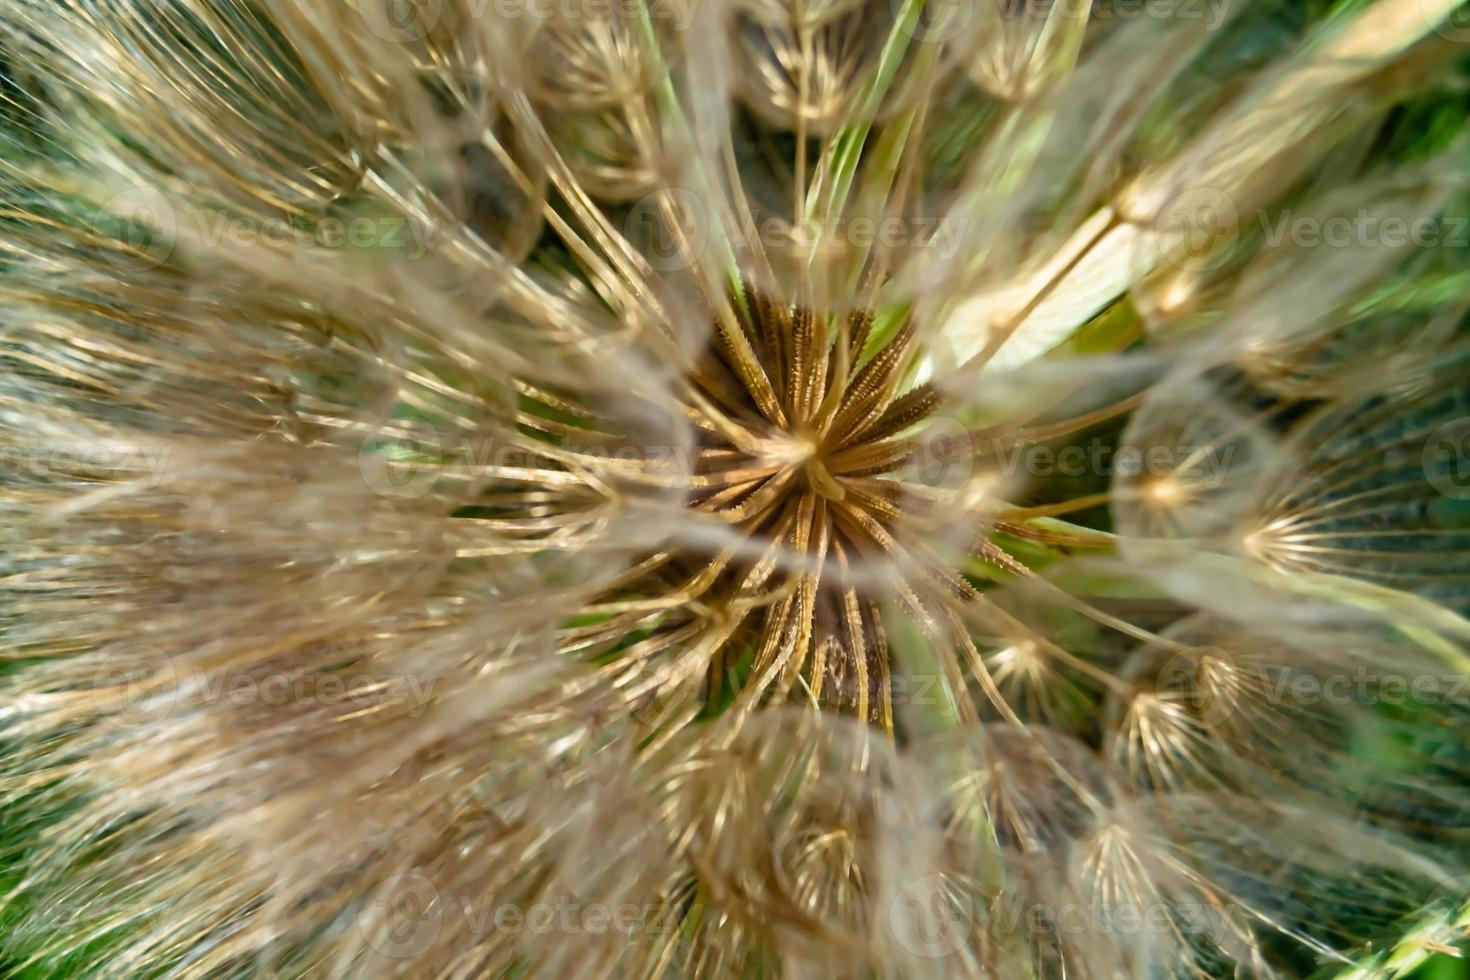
<point>658,488</point>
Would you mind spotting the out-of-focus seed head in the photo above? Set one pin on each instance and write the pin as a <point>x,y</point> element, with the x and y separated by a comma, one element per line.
<point>697,490</point>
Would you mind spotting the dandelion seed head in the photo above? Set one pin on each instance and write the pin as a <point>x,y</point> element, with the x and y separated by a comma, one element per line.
<point>816,488</point>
